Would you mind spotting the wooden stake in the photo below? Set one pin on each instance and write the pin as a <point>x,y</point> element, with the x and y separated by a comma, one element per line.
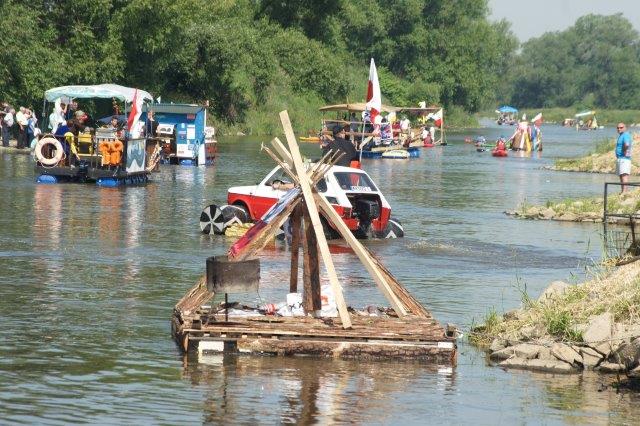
<point>305,186</point>
<point>295,220</point>
<point>311,273</point>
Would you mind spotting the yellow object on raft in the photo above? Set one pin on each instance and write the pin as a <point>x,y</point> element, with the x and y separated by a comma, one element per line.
<point>237,229</point>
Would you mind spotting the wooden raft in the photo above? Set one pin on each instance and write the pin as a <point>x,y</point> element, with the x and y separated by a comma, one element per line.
<point>412,338</point>
<point>410,333</point>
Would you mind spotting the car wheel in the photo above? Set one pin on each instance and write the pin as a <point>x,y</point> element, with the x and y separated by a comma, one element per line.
<point>212,220</point>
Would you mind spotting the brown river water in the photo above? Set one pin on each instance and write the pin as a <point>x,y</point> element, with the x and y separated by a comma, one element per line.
<point>89,276</point>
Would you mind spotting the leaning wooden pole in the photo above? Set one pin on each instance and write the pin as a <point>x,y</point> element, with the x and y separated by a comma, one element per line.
<point>315,219</point>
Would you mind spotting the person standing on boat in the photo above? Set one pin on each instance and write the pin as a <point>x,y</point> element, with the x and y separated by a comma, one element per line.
<point>151,125</point>
<point>340,143</point>
<point>623,155</point>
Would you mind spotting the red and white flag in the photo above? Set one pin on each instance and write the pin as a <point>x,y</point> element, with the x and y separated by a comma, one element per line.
<point>134,115</point>
<point>437,118</point>
<point>374,99</point>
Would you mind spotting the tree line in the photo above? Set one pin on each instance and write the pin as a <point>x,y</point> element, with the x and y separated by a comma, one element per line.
<point>252,58</point>
<point>593,64</point>
<point>247,56</point>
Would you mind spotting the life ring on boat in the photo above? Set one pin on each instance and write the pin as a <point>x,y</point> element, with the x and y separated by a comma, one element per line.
<point>58,153</point>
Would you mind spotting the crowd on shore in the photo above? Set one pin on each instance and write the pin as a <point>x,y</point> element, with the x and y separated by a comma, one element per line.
<point>21,125</point>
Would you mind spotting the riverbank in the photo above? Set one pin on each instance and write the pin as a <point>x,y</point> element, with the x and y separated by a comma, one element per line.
<point>12,148</point>
<point>601,160</point>
<point>594,325</point>
<point>580,209</point>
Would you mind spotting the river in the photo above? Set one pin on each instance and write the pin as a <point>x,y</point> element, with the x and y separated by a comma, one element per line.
<point>89,277</point>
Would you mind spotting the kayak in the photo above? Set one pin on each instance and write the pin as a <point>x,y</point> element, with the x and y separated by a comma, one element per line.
<point>481,149</point>
<point>309,138</point>
<point>428,145</point>
<point>499,153</point>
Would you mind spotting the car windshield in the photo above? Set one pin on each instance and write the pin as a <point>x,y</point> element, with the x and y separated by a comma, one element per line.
<point>282,176</point>
<point>354,181</point>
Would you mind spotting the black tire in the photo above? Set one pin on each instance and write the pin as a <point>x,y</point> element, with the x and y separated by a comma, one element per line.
<point>215,220</point>
<point>234,214</point>
<point>393,229</point>
<point>212,220</point>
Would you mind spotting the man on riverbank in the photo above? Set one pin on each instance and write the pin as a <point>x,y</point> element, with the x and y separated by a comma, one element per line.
<point>623,155</point>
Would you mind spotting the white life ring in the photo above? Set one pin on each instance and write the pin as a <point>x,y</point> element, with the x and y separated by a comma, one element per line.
<point>59,151</point>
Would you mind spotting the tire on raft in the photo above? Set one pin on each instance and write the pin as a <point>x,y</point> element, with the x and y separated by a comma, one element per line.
<point>214,219</point>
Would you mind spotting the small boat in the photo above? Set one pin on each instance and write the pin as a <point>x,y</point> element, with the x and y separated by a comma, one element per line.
<point>481,149</point>
<point>309,138</point>
<point>396,153</point>
<point>428,145</point>
<point>499,153</point>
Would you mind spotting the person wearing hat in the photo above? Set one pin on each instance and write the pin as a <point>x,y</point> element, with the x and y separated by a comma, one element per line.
<point>341,144</point>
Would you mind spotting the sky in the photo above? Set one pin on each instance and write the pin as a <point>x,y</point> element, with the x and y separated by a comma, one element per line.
<point>534,18</point>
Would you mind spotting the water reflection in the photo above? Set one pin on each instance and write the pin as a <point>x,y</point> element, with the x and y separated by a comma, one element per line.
<point>307,390</point>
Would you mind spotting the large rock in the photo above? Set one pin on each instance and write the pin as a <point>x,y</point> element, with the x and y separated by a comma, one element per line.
<point>555,289</point>
<point>598,333</point>
<point>502,353</point>
<point>590,357</point>
<point>532,332</point>
<point>514,314</point>
<point>497,344</point>
<point>567,217</point>
<point>526,350</point>
<point>628,354</point>
<point>566,353</point>
<point>610,367</point>
<point>547,366</point>
<point>547,213</point>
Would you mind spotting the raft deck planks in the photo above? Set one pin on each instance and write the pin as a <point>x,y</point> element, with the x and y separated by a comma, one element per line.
<point>409,338</point>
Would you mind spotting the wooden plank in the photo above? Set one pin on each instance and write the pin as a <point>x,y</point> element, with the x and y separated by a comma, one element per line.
<point>362,254</point>
<point>312,300</point>
<point>280,149</point>
<point>315,219</point>
<point>295,220</point>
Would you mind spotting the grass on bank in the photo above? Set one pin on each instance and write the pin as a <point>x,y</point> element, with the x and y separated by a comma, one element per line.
<point>626,203</point>
<point>592,160</point>
<point>563,317</point>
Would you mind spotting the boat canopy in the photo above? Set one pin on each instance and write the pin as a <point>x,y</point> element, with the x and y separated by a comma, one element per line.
<point>356,107</point>
<point>97,91</point>
<point>506,109</point>
<point>585,113</point>
<point>418,110</point>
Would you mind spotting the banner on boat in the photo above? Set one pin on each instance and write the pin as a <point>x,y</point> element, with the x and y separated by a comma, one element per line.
<point>135,155</point>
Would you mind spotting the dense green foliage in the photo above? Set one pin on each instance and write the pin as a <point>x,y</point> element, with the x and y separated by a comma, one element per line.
<point>251,58</point>
<point>594,63</point>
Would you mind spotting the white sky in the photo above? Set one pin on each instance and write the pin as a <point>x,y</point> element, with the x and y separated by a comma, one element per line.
<point>534,18</point>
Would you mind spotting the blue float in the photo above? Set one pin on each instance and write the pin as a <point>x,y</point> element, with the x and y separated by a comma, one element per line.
<point>47,179</point>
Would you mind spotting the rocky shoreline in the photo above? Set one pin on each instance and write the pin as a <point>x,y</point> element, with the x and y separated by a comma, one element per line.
<point>582,209</point>
<point>571,328</point>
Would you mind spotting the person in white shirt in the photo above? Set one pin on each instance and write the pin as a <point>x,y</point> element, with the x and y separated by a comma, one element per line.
<point>22,120</point>
<point>7,125</point>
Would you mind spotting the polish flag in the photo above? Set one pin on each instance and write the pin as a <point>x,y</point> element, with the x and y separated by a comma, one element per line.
<point>134,115</point>
<point>374,99</point>
<point>437,118</point>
